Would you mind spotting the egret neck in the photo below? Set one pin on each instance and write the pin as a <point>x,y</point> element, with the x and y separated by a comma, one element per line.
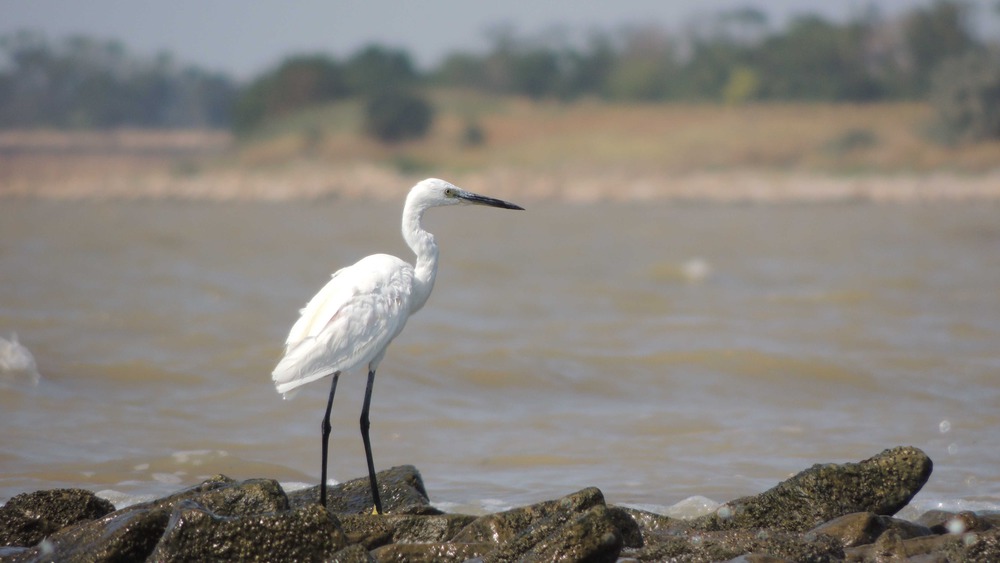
<point>424,246</point>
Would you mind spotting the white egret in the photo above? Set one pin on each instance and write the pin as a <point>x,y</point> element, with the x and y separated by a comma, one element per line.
<point>351,321</point>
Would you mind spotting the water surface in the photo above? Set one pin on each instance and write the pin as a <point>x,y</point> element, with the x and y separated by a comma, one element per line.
<point>655,351</point>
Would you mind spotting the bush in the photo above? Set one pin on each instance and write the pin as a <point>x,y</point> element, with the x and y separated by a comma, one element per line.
<point>298,82</point>
<point>851,140</point>
<point>395,115</point>
<point>375,68</point>
<point>965,93</point>
<point>473,134</point>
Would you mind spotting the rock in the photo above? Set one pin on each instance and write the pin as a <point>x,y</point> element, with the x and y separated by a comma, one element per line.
<point>943,522</point>
<point>862,528</point>
<point>352,554</point>
<point>698,546</point>
<point>972,547</point>
<point>502,527</point>
<point>254,496</point>
<point>576,527</point>
<point>431,552</point>
<point>590,536</point>
<point>375,531</point>
<point>635,524</point>
<point>401,488</point>
<point>882,485</point>
<point>133,532</point>
<point>306,533</point>
<point>27,518</point>
<point>226,497</point>
<point>128,535</point>
<point>826,513</point>
<point>427,529</point>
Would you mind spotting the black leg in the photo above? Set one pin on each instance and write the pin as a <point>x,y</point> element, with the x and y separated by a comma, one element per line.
<point>326,439</point>
<point>368,446</point>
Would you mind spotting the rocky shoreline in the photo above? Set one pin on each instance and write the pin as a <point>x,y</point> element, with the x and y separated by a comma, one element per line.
<point>831,512</point>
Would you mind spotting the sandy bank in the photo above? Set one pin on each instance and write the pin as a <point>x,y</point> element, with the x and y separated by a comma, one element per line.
<point>108,179</point>
<point>212,166</point>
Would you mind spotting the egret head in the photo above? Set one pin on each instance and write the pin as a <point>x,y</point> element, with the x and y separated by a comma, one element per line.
<point>433,192</point>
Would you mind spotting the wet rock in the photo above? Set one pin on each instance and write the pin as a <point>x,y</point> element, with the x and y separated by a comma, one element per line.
<point>635,524</point>
<point>576,527</point>
<point>120,536</point>
<point>943,522</point>
<point>427,529</point>
<point>401,489</point>
<point>431,552</point>
<point>368,530</point>
<point>699,546</point>
<point>826,513</point>
<point>973,547</point>
<point>254,496</point>
<point>306,533</point>
<point>227,497</point>
<point>27,518</point>
<point>352,554</point>
<point>587,536</point>
<point>502,527</point>
<point>374,531</point>
<point>758,558</point>
<point>862,528</point>
<point>882,485</point>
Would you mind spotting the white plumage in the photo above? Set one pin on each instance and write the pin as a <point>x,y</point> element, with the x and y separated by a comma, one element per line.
<point>349,324</point>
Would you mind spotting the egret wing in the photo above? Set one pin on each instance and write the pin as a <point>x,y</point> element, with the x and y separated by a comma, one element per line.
<point>349,323</point>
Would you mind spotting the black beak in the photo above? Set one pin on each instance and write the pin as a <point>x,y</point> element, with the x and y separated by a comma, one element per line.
<point>491,202</point>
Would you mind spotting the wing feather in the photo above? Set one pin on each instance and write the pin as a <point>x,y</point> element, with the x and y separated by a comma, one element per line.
<point>349,323</point>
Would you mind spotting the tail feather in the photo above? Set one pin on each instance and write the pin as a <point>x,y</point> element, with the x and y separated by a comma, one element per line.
<point>303,363</point>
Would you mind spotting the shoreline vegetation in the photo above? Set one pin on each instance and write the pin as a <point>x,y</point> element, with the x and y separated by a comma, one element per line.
<point>582,152</point>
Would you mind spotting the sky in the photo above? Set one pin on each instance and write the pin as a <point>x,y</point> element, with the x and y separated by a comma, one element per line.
<point>245,38</point>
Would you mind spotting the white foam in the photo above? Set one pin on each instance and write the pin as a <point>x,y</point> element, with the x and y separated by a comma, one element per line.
<point>121,499</point>
<point>292,486</point>
<point>919,506</point>
<point>696,269</point>
<point>17,362</point>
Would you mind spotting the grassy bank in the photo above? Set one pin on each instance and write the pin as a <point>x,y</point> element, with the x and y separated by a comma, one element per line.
<point>542,150</point>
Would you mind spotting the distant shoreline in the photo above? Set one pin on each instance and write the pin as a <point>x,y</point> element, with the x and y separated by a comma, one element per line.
<point>304,180</point>
<point>672,153</point>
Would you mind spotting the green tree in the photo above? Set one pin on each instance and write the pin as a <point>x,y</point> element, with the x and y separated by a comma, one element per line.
<point>965,93</point>
<point>375,69</point>
<point>816,60</point>
<point>299,81</point>
<point>934,34</point>
<point>644,67</point>
<point>397,115</point>
<point>82,82</point>
<point>742,86</point>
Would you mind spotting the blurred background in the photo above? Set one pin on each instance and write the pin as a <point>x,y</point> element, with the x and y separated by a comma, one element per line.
<point>612,98</point>
<point>759,235</point>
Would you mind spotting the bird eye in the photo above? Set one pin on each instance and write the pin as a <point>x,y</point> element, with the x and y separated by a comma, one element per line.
<point>449,192</point>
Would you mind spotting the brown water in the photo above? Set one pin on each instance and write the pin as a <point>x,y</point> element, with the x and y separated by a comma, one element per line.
<point>655,351</point>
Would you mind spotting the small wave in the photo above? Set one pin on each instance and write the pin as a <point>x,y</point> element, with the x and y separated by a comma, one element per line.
<point>689,508</point>
<point>694,270</point>
<point>17,363</point>
<point>764,367</point>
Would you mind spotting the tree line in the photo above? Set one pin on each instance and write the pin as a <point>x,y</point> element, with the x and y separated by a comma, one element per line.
<point>732,57</point>
<point>83,83</point>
